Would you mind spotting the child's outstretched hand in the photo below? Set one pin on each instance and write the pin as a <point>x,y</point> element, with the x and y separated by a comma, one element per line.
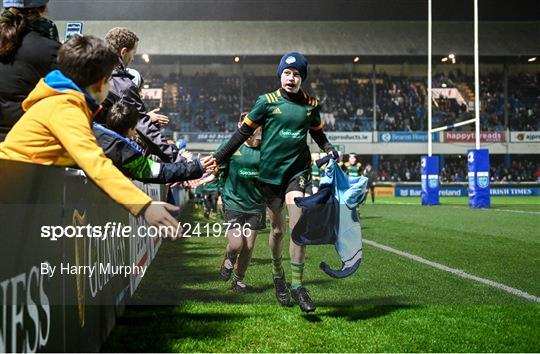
<point>209,164</point>
<point>157,214</point>
<point>157,118</point>
<point>187,154</point>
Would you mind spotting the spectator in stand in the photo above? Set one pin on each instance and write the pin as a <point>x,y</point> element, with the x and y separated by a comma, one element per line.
<point>156,118</point>
<point>28,49</point>
<point>56,128</point>
<point>125,43</point>
<point>116,141</point>
<point>209,102</point>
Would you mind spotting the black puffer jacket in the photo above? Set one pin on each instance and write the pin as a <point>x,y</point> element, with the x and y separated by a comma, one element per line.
<point>35,58</point>
<point>121,87</point>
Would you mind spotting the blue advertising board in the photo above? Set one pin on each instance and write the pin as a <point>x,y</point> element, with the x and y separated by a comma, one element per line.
<point>514,191</point>
<point>478,177</point>
<point>430,180</point>
<point>406,137</point>
<point>413,191</point>
<point>461,191</point>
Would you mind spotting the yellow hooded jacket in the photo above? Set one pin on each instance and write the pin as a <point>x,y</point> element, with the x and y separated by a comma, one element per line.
<point>56,130</point>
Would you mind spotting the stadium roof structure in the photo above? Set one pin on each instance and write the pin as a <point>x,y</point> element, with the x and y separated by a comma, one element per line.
<point>377,39</point>
<point>286,10</point>
<point>379,31</point>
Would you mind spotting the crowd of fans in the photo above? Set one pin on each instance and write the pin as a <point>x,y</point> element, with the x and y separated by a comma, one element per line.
<point>399,170</point>
<point>519,170</point>
<point>523,101</point>
<point>455,170</point>
<point>210,102</point>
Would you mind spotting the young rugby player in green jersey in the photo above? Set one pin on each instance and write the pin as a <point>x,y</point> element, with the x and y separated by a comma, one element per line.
<point>352,167</point>
<point>210,196</point>
<point>286,116</point>
<point>243,208</point>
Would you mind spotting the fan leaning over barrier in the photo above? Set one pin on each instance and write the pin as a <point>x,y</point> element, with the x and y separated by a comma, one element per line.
<point>330,217</point>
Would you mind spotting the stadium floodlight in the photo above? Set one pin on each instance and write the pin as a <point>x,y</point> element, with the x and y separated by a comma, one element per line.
<point>530,60</point>
<point>236,59</point>
<point>356,59</point>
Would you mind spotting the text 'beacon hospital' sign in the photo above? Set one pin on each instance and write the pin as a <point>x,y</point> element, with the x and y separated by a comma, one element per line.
<point>406,137</point>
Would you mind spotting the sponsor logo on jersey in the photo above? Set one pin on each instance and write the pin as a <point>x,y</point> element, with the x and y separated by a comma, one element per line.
<point>237,153</point>
<point>302,182</point>
<point>289,133</point>
<point>248,173</point>
<point>276,111</point>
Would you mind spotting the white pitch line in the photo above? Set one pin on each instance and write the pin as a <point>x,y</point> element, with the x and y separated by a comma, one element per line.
<point>504,210</point>
<point>395,203</point>
<point>464,207</point>
<point>458,272</point>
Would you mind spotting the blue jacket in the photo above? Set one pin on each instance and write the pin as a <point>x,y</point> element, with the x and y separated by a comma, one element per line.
<point>330,217</point>
<point>130,159</point>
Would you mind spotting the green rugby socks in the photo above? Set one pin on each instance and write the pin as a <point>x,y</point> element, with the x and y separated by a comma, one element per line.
<point>297,274</point>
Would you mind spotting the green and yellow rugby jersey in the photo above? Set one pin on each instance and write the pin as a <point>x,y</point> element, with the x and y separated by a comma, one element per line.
<point>238,181</point>
<point>353,170</point>
<point>284,149</point>
<point>316,172</point>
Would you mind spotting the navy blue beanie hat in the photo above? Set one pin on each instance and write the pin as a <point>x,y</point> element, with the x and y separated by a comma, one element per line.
<point>24,4</point>
<point>293,60</point>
